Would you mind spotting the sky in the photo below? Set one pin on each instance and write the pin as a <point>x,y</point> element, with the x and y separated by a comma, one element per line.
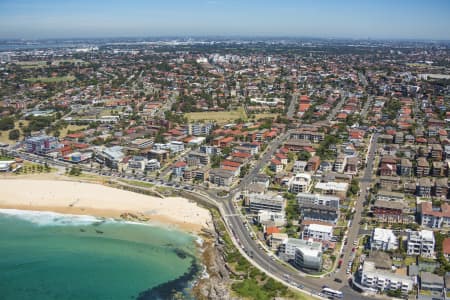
<point>361,19</point>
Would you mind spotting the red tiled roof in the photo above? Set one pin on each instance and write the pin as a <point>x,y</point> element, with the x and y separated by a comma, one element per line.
<point>272,229</point>
<point>75,135</point>
<point>446,246</point>
<point>230,163</point>
<point>281,156</point>
<point>241,154</point>
<point>275,162</point>
<point>180,164</point>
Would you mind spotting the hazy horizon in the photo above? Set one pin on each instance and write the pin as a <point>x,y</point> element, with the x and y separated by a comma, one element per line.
<point>399,20</point>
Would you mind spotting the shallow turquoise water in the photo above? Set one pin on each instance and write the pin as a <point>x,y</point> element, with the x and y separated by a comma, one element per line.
<point>53,256</point>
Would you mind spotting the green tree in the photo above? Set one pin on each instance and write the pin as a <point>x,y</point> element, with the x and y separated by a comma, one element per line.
<point>6,123</point>
<point>14,134</point>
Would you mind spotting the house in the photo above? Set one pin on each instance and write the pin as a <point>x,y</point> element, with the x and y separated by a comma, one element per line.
<point>276,165</point>
<point>383,239</point>
<point>282,158</point>
<point>313,164</point>
<point>178,168</point>
<point>446,248</point>
<point>434,217</point>
<point>421,243</point>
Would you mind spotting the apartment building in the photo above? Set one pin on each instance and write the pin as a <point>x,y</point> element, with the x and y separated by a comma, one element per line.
<point>384,280</point>
<point>317,232</point>
<point>300,183</point>
<point>421,243</point>
<point>271,202</point>
<point>304,253</point>
<point>383,239</point>
<point>434,217</point>
<point>319,213</point>
<point>317,199</point>
<point>278,218</point>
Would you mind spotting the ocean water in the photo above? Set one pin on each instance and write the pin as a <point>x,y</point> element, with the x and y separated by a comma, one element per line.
<point>46,255</point>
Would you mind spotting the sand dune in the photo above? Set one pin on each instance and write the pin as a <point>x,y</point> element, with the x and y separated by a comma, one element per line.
<point>98,200</point>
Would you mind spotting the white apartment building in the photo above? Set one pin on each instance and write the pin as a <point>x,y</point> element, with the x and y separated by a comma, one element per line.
<point>421,243</point>
<point>307,254</point>
<point>278,218</point>
<point>332,188</point>
<point>152,165</point>
<point>383,239</point>
<point>317,199</point>
<point>299,166</point>
<point>300,183</point>
<point>317,232</point>
<point>383,280</point>
<point>176,146</point>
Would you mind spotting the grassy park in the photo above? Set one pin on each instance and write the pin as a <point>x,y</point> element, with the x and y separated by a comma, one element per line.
<point>221,117</point>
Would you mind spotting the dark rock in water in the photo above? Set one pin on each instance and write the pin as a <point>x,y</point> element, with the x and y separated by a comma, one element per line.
<point>82,230</point>
<point>99,231</point>
<point>171,288</point>
<point>180,253</point>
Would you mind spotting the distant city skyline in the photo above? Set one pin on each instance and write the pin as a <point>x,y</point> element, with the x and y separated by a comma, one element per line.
<point>381,19</point>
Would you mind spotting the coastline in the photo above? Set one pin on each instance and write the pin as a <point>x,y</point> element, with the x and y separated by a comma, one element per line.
<point>81,198</point>
<point>61,194</point>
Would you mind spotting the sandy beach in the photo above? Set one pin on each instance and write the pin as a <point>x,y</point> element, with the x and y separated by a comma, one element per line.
<point>97,200</point>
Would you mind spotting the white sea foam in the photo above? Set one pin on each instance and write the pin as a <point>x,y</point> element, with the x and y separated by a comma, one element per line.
<point>47,218</point>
